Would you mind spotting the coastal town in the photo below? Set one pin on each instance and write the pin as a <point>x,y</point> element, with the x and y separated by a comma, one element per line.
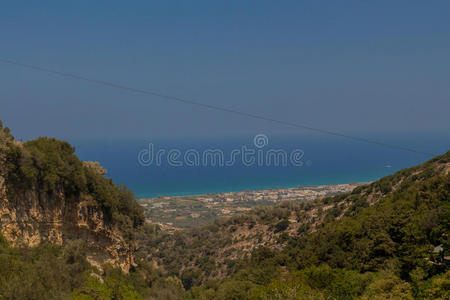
<point>180,212</point>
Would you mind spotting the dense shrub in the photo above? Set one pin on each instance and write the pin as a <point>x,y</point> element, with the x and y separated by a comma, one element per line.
<point>50,166</point>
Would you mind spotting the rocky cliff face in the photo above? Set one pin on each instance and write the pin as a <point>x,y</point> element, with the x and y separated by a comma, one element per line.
<point>32,215</point>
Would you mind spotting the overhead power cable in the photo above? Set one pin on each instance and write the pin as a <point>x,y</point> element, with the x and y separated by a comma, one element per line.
<point>212,107</point>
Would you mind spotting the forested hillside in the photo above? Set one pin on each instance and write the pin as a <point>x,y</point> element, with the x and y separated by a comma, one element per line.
<point>383,232</point>
<point>372,248</point>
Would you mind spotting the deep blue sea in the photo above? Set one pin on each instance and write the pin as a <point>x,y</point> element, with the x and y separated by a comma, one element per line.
<point>318,160</point>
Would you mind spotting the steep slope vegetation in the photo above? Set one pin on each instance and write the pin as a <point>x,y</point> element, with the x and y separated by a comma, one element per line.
<point>66,231</point>
<point>379,244</point>
<point>395,221</point>
<point>48,195</point>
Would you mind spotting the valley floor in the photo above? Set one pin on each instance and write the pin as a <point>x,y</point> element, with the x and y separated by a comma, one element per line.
<point>179,212</point>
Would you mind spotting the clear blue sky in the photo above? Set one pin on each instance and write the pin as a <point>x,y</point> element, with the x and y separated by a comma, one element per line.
<point>356,67</point>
